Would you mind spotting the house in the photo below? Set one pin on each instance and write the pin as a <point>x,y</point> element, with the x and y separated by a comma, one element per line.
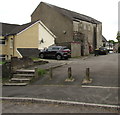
<point>5,29</point>
<point>77,31</point>
<point>104,41</point>
<point>27,39</point>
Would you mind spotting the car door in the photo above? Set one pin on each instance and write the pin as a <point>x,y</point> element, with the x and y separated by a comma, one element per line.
<point>54,51</point>
<point>48,52</point>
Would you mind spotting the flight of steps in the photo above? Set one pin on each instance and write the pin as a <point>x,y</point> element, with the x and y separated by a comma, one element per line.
<point>21,78</point>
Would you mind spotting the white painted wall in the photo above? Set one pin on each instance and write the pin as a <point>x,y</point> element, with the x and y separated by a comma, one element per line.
<point>46,35</point>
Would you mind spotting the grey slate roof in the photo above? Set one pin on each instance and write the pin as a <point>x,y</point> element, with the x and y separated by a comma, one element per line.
<point>73,15</point>
<point>5,28</point>
<point>20,28</point>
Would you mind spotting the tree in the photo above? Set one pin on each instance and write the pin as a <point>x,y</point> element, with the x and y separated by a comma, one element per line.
<point>111,41</point>
<point>118,36</point>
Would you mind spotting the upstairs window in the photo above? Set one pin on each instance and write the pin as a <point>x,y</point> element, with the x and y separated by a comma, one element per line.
<point>75,26</point>
<point>89,28</point>
<point>85,27</point>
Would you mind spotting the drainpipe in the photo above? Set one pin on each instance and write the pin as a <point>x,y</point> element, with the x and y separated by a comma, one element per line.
<point>13,45</point>
<point>96,37</point>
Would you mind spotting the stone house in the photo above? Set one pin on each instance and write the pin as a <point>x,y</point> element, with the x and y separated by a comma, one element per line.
<point>77,31</point>
<point>26,40</point>
<point>105,42</point>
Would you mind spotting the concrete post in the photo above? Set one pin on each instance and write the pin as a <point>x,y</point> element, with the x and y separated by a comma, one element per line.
<point>87,78</point>
<point>51,73</point>
<point>88,73</point>
<point>36,72</point>
<point>69,73</point>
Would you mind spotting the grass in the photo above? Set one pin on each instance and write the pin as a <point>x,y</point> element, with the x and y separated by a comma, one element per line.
<point>4,79</point>
<point>2,62</point>
<point>41,72</point>
<point>35,58</point>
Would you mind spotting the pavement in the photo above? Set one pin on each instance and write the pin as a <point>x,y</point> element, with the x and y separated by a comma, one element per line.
<point>103,90</point>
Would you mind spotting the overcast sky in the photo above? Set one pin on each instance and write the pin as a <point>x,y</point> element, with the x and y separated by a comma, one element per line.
<point>106,11</point>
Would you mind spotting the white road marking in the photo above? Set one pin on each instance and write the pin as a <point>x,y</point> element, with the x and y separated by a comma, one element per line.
<point>59,102</point>
<point>86,86</point>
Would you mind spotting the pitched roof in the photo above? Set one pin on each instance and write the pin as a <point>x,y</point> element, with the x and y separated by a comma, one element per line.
<point>104,39</point>
<point>6,28</point>
<point>20,28</point>
<point>72,15</point>
<point>23,27</point>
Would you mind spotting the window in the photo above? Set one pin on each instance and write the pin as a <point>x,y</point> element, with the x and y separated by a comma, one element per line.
<point>55,48</point>
<point>75,26</point>
<point>85,27</point>
<point>89,27</point>
<point>80,26</point>
<point>2,41</point>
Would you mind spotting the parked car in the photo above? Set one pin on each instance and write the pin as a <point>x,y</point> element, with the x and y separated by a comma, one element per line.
<point>103,50</point>
<point>58,52</point>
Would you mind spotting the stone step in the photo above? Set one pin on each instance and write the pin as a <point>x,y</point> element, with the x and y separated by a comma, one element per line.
<point>23,75</point>
<point>20,79</point>
<point>25,71</point>
<point>15,84</point>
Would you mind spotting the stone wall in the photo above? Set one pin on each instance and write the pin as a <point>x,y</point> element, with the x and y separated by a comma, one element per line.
<point>6,69</point>
<point>59,24</point>
<point>75,49</point>
<point>17,63</point>
<point>9,67</point>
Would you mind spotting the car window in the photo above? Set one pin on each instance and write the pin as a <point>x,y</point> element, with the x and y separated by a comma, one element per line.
<point>49,49</point>
<point>65,48</point>
<point>55,48</point>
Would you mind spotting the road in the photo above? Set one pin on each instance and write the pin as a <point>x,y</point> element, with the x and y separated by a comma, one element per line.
<point>103,89</point>
<point>27,107</point>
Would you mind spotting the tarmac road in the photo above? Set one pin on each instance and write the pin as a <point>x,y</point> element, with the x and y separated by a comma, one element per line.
<point>103,89</point>
<point>27,107</point>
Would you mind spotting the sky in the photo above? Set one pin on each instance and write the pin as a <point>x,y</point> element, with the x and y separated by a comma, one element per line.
<point>105,11</point>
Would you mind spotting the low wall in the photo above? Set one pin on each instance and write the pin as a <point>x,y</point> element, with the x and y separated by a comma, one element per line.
<point>75,49</point>
<point>9,67</point>
<point>17,63</point>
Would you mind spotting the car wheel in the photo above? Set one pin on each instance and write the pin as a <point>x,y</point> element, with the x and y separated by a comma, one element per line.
<point>58,57</point>
<point>41,56</point>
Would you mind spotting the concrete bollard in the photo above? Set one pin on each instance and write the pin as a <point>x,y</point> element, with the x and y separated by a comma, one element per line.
<point>69,73</point>
<point>36,72</point>
<point>88,73</point>
<point>87,78</point>
<point>51,73</point>
<point>69,78</point>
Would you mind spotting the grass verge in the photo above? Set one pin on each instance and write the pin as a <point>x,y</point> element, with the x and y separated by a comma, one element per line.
<point>41,73</point>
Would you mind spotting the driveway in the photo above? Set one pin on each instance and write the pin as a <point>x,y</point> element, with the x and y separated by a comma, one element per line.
<point>103,71</point>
